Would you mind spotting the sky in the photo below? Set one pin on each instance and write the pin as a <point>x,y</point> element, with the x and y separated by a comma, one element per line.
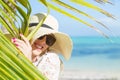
<point>75,28</point>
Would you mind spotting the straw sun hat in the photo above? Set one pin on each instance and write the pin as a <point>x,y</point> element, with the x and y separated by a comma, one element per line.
<point>63,44</point>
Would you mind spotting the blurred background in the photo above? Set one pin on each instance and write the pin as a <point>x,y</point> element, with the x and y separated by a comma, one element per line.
<point>94,57</point>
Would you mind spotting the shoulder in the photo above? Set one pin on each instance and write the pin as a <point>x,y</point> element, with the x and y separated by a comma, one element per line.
<point>53,57</point>
<point>52,54</point>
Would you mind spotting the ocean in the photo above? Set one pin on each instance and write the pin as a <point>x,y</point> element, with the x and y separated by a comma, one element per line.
<point>85,46</point>
<point>95,55</point>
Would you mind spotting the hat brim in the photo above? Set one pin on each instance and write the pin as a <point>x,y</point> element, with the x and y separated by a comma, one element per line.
<point>63,44</point>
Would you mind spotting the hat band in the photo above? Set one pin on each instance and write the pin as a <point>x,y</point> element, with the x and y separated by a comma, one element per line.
<point>43,25</point>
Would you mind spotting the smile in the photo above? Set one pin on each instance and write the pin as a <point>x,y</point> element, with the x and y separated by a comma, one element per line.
<point>38,46</point>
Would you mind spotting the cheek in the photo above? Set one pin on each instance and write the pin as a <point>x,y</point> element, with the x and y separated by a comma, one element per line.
<point>45,48</point>
<point>33,47</point>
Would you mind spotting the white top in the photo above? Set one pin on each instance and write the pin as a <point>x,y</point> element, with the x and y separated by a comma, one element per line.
<point>49,65</point>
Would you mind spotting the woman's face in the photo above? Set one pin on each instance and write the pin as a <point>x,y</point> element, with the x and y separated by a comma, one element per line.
<point>39,46</point>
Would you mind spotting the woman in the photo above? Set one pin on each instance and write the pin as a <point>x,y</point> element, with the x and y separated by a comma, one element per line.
<point>44,47</point>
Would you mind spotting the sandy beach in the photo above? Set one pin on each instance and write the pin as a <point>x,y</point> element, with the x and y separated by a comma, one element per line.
<point>74,74</point>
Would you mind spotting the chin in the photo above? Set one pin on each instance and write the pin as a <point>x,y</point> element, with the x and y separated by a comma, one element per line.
<point>36,52</point>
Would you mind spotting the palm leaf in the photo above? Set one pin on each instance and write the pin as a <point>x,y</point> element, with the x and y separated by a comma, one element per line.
<point>12,60</point>
<point>76,18</point>
<point>63,5</point>
<point>84,3</point>
<point>18,59</point>
<point>103,1</point>
<point>78,11</point>
<point>25,15</point>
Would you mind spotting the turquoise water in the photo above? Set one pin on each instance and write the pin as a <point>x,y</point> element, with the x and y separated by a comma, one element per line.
<point>95,53</point>
<point>84,46</point>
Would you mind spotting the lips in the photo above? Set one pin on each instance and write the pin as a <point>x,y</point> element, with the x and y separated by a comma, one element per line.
<point>38,46</point>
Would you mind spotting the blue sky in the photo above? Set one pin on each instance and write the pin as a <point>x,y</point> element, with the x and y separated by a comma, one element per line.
<point>75,28</point>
